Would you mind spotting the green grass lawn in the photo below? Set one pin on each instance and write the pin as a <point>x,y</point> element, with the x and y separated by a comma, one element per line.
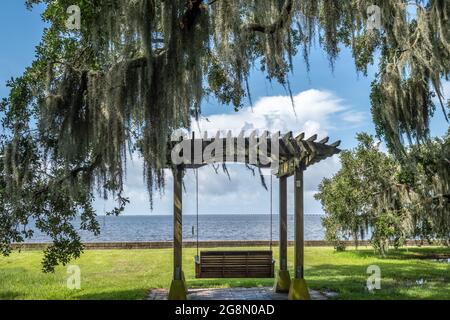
<point>129,274</point>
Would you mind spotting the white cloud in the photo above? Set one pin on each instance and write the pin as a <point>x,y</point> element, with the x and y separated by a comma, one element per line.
<point>355,118</point>
<point>315,112</point>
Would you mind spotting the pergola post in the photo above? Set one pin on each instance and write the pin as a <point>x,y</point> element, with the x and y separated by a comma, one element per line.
<point>299,289</point>
<point>178,287</point>
<point>283,281</point>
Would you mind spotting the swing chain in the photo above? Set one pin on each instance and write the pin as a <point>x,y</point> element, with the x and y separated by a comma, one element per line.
<point>196,198</point>
<point>271,214</point>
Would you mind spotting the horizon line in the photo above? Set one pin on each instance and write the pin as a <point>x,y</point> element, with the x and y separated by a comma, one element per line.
<point>209,214</point>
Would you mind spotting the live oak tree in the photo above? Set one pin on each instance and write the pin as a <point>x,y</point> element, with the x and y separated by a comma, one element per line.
<point>139,69</point>
<point>352,199</point>
<point>373,191</point>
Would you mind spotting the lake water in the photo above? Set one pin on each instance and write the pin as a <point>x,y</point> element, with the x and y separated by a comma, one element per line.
<point>211,227</point>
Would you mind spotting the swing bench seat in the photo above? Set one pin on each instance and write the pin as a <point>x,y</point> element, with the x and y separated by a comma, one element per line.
<point>235,264</point>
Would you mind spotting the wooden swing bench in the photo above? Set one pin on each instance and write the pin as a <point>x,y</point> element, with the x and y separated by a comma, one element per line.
<point>235,264</point>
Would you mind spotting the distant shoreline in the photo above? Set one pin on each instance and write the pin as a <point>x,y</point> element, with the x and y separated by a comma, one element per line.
<point>202,244</point>
<point>205,214</point>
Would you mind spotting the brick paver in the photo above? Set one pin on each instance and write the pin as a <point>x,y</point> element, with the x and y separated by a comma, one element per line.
<point>260,293</point>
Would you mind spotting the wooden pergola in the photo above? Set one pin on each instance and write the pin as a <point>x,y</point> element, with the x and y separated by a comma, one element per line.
<point>294,155</point>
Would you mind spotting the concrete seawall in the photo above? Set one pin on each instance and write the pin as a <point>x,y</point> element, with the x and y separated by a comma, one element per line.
<point>191,244</point>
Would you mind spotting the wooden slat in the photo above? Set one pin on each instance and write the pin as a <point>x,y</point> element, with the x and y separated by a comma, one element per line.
<point>234,276</point>
<point>240,267</point>
<point>235,264</point>
<point>243,252</point>
<point>289,149</point>
<point>300,137</point>
<point>287,141</point>
<point>325,140</point>
<point>336,144</point>
<point>229,256</point>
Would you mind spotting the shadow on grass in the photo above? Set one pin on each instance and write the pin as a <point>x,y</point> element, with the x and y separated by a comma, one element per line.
<point>405,253</point>
<point>398,281</point>
<point>10,295</point>
<point>135,294</point>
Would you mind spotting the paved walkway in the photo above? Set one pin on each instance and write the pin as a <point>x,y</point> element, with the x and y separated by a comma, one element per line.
<point>261,293</point>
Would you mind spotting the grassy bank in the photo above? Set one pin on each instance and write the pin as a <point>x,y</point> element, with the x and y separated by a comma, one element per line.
<point>129,274</point>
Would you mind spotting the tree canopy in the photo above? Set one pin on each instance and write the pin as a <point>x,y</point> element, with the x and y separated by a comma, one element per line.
<point>373,193</point>
<point>139,69</point>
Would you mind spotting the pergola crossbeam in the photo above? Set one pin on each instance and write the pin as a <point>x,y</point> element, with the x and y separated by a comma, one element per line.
<point>290,151</point>
<point>323,141</point>
<point>336,144</point>
<point>300,137</point>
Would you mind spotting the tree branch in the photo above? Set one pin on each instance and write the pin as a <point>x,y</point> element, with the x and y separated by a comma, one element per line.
<point>189,18</point>
<point>277,25</point>
<point>73,173</point>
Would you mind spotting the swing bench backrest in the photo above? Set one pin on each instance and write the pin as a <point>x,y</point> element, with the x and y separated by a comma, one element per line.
<point>235,264</point>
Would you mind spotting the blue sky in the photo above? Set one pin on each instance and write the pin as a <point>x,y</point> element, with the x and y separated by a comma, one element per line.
<point>332,103</point>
